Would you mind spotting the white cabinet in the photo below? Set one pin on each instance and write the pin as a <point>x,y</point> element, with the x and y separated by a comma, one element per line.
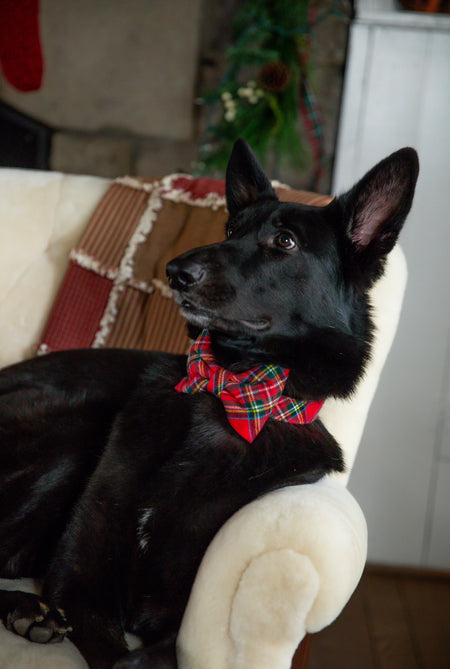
<point>397,93</point>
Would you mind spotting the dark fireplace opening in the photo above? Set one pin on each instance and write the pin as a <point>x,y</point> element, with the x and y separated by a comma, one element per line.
<point>24,141</point>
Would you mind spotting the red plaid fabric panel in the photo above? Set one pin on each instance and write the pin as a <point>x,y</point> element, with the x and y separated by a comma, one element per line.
<point>199,188</point>
<point>249,398</point>
<point>77,310</point>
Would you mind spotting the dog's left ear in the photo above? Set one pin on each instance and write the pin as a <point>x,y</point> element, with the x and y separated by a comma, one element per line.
<point>245,180</point>
<point>376,208</point>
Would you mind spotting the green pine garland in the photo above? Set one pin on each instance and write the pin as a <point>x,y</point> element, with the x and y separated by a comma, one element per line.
<point>258,98</point>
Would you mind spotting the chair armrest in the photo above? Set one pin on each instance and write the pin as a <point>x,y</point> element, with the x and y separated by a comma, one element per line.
<point>282,566</point>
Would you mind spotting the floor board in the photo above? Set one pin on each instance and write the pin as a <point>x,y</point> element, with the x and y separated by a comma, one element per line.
<point>396,619</point>
<point>353,655</point>
<point>428,609</point>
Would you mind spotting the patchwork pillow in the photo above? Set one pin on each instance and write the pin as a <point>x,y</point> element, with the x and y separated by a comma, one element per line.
<point>114,293</point>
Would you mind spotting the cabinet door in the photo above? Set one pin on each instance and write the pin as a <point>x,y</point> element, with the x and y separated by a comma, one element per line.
<point>397,93</point>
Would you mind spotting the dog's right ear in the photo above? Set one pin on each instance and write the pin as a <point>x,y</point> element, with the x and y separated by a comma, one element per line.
<point>245,180</point>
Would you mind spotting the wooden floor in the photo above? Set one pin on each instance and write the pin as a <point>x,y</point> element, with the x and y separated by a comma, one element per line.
<point>396,619</point>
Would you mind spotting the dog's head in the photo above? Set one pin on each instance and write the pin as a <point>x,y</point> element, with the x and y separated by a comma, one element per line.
<point>289,282</point>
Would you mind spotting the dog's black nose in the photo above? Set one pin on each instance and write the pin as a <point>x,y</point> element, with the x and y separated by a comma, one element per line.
<point>184,273</point>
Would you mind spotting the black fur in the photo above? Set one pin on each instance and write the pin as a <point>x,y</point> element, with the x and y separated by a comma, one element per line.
<point>112,484</point>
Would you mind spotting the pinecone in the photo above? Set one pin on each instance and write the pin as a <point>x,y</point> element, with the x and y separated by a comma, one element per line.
<point>274,77</point>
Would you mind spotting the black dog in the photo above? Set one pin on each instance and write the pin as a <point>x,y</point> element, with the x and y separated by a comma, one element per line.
<point>112,483</point>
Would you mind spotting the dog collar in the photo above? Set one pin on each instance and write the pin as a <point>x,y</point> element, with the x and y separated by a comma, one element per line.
<point>249,398</point>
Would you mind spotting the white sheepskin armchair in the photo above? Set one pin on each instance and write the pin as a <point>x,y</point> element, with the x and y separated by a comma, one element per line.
<point>282,566</point>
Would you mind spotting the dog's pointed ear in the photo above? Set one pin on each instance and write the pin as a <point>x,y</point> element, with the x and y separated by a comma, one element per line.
<point>245,179</point>
<point>376,208</point>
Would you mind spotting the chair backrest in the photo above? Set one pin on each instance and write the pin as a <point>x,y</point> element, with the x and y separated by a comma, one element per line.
<point>345,419</point>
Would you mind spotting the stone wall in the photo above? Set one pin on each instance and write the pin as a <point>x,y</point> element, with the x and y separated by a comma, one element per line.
<point>121,81</point>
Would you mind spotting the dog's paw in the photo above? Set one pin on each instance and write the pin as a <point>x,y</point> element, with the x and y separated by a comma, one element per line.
<point>36,621</point>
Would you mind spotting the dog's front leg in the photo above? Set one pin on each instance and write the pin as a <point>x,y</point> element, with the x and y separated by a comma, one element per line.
<point>95,627</point>
<point>87,577</point>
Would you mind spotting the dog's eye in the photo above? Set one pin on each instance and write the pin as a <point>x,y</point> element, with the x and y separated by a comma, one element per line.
<point>229,232</point>
<point>285,241</point>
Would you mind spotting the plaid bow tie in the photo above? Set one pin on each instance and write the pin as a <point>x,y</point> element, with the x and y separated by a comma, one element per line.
<point>249,398</point>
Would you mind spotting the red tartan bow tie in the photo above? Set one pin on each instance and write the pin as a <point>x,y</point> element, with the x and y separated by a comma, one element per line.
<point>249,398</point>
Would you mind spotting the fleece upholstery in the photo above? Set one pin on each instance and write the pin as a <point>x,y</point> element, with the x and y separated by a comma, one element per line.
<point>284,565</point>
<point>42,215</point>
